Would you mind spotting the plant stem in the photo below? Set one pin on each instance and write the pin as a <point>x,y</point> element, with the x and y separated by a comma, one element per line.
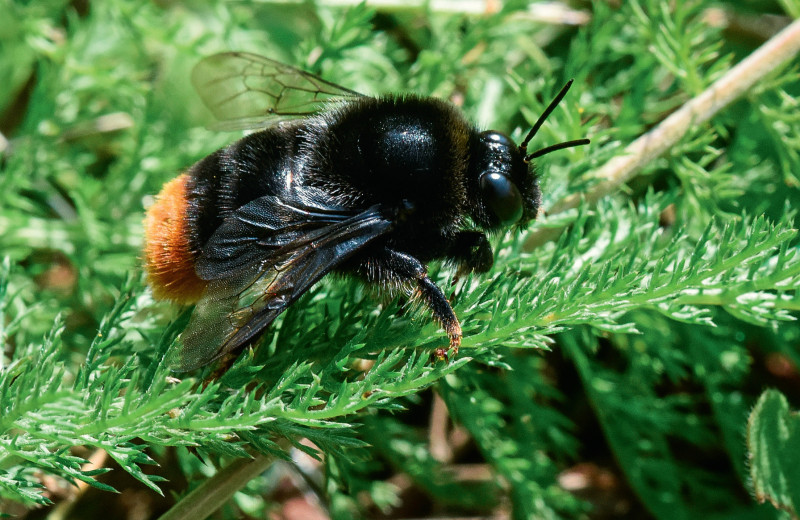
<point>211,494</point>
<point>775,53</point>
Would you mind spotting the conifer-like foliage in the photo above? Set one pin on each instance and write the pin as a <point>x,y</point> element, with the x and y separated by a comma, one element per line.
<point>608,372</point>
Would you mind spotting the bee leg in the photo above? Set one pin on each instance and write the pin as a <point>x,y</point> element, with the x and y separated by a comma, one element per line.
<point>436,301</point>
<point>223,365</point>
<point>405,270</point>
<point>472,252</point>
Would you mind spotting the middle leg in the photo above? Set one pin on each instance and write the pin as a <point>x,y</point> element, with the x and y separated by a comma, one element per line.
<point>391,267</point>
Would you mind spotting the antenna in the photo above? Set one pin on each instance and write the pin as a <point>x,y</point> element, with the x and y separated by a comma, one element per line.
<point>538,124</point>
<point>553,147</point>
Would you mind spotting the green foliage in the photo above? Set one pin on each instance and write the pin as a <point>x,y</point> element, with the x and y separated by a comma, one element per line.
<point>773,443</point>
<point>635,344</point>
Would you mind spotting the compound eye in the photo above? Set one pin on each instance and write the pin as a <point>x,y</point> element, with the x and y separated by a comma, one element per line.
<point>502,197</point>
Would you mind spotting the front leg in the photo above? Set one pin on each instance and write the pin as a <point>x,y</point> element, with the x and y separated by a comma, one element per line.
<point>471,251</point>
<point>392,267</point>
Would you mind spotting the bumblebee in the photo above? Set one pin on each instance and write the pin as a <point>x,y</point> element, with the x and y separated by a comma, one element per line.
<point>335,181</point>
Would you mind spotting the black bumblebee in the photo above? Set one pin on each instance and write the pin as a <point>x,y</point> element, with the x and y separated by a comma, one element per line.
<point>337,181</point>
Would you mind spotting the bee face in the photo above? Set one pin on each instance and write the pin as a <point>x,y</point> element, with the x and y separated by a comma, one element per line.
<point>507,187</point>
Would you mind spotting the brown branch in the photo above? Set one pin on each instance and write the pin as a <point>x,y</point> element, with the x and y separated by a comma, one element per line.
<point>774,54</point>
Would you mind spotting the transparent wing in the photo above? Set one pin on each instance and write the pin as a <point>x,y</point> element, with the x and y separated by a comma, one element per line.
<point>237,308</point>
<point>245,90</point>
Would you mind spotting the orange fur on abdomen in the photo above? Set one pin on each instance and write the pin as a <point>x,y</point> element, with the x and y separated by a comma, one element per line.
<point>169,258</point>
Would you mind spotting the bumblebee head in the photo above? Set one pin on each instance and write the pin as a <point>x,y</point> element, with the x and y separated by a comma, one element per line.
<point>508,192</point>
<point>508,188</point>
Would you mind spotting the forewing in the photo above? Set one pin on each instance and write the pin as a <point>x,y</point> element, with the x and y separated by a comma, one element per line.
<point>269,227</point>
<point>237,308</point>
<point>245,90</point>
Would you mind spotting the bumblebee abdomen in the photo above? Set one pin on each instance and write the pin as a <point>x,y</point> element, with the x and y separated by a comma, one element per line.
<point>191,207</point>
<point>169,254</point>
